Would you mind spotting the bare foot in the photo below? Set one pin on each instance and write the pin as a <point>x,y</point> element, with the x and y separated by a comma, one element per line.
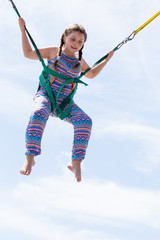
<point>75,167</point>
<point>28,164</point>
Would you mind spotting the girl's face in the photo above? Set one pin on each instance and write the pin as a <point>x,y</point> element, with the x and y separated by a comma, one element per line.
<point>73,42</point>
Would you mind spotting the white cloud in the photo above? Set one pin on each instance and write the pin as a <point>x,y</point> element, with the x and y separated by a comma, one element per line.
<point>148,137</point>
<point>127,130</point>
<point>59,206</point>
<point>15,100</point>
<point>104,201</point>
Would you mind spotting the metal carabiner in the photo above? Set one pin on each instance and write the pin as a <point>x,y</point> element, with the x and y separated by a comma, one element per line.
<point>129,38</point>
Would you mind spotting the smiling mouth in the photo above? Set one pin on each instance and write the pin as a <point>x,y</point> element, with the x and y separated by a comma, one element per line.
<point>73,48</point>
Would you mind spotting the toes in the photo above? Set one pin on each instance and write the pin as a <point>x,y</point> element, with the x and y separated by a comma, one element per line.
<point>70,168</point>
<point>76,170</point>
<point>78,177</point>
<point>24,172</point>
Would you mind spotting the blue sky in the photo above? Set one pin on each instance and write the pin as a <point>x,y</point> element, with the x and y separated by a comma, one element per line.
<point>119,196</point>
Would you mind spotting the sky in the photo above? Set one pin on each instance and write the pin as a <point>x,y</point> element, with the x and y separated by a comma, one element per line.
<point>119,196</point>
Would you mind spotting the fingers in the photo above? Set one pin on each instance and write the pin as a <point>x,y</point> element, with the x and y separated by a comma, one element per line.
<point>22,24</point>
<point>110,54</point>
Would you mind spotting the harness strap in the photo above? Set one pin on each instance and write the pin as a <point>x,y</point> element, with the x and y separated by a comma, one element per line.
<point>46,84</point>
<point>99,61</point>
<point>60,109</point>
<point>54,100</point>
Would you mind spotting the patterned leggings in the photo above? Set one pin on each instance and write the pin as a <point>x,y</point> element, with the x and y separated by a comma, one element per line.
<point>41,111</point>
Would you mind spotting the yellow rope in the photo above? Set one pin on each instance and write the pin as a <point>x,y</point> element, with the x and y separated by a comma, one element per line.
<point>146,23</point>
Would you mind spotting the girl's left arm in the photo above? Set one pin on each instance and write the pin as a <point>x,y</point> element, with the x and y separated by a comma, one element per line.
<point>98,68</point>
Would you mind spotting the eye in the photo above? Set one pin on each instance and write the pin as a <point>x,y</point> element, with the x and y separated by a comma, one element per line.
<point>73,39</point>
<point>80,42</point>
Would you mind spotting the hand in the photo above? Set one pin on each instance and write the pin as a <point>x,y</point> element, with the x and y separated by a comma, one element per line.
<point>22,24</point>
<point>110,55</point>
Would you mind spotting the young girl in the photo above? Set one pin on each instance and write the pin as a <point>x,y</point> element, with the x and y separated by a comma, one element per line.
<point>66,62</point>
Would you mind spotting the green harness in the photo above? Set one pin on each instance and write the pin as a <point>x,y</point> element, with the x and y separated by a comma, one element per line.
<point>44,77</point>
<point>45,83</point>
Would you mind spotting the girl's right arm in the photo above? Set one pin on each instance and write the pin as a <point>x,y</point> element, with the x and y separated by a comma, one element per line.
<point>46,53</point>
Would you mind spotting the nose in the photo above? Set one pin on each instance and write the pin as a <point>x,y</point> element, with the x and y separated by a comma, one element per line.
<point>75,42</point>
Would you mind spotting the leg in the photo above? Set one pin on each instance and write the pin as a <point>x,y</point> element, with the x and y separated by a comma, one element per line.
<point>34,131</point>
<point>82,130</point>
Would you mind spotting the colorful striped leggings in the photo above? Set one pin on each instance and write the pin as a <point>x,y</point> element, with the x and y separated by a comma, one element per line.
<point>41,111</point>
